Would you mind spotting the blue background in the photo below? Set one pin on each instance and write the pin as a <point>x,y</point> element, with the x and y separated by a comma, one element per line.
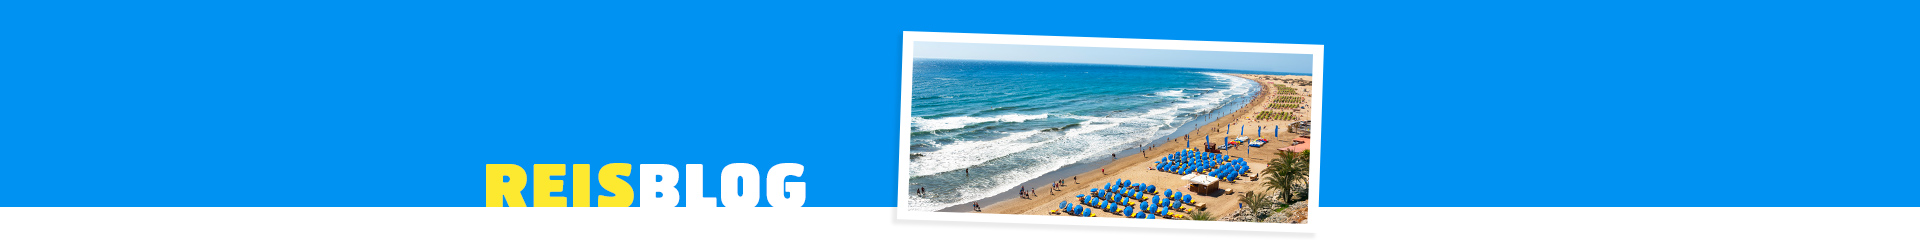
<point>329,103</point>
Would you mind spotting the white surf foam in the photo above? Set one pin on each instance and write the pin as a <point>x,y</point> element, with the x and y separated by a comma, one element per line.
<point>963,154</point>
<point>1170,93</point>
<point>922,124</point>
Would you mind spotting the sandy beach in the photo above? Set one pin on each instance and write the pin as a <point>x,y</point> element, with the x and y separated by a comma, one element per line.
<point>1137,167</point>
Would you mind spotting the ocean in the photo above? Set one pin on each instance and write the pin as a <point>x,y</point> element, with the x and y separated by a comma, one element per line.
<point>984,128</point>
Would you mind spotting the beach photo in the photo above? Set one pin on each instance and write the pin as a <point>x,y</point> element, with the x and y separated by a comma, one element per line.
<point>1094,131</point>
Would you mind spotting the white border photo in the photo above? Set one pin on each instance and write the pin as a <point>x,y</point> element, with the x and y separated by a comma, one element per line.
<point>906,104</point>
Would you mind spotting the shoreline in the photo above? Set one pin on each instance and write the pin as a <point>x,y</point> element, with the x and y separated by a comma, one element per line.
<point>1136,166</point>
<point>1070,171</point>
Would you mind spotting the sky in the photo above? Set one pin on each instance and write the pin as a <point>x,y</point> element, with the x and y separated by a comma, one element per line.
<point>1270,62</point>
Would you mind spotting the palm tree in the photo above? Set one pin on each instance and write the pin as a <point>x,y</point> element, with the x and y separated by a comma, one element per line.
<point>1281,172</point>
<point>1201,216</point>
<point>1258,203</point>
<point>1305,157</point>
<point>1303,167</point>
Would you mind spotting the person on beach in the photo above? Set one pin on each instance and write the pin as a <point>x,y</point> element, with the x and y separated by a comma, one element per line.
<point>976,206</point>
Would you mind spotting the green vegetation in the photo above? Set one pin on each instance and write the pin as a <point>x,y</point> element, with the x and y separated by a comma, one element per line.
<point>1281,172</point>
<point>1201,216</point>
<point>1257,201</point>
